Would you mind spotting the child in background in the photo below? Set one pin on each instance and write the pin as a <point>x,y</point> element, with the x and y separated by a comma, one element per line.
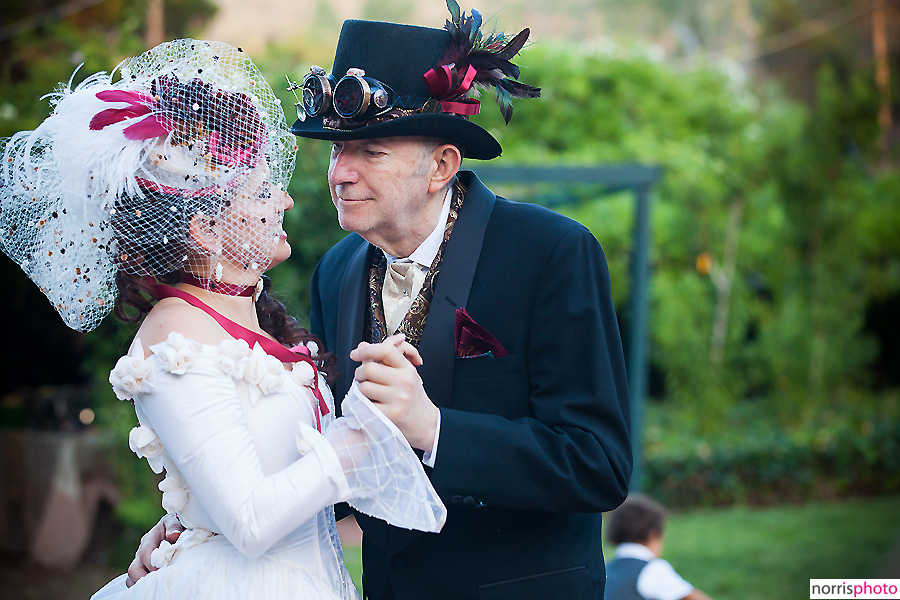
<point>637,572</point>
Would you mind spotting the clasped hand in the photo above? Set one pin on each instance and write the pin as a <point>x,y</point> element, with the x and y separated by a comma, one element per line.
<point>388,377</point>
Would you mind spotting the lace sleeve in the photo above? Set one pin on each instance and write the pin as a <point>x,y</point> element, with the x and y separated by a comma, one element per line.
<point>385,476</point>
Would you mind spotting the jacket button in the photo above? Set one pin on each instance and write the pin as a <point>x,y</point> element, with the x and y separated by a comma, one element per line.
<point>469,501</point>
<point>398,563</point>
<point>456,499</point>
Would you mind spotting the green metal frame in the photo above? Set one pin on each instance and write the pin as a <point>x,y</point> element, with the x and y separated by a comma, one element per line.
<point>640,180</point>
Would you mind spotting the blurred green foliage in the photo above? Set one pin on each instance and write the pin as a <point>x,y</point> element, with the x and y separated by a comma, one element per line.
<point>753,459</point>
<point>782,199</point>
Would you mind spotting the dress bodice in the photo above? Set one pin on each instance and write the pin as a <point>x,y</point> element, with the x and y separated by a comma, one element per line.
<point>248,472</point>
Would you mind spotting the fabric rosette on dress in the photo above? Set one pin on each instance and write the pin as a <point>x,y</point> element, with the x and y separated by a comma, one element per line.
<point>144,442</point>
<point>130,373</point>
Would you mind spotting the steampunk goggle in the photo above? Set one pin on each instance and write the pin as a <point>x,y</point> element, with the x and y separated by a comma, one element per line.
<point>354,96</point>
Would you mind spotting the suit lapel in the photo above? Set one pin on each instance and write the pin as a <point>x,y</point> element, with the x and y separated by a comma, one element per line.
<point>451,292</point>
<point>351,315</point>
<point>452,289</point>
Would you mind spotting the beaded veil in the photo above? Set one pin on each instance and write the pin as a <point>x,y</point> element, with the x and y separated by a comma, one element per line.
<point>130,165</point>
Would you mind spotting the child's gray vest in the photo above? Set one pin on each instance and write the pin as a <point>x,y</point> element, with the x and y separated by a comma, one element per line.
<point>621,579</point>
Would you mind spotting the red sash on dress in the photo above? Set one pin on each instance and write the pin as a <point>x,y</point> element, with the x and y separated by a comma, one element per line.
<point>270,347</point>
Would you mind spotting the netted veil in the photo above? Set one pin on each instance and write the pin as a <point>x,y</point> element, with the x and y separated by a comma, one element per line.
<point>113,177</point>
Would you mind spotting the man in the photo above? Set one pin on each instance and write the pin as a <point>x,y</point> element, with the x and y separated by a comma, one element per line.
<point>520,404</point>
<point>526,448</point>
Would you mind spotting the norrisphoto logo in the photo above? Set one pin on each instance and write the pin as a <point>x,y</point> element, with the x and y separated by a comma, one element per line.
<point>854,588</point>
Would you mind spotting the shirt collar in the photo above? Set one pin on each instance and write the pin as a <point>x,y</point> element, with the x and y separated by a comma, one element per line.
<point>428,249</point>
<point>629,550</point>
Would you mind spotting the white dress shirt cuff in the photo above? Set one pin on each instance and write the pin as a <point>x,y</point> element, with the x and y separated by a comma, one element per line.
<point>429,457</point>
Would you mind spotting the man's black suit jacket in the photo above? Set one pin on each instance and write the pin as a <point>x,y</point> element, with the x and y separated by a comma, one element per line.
<point>534,445</point>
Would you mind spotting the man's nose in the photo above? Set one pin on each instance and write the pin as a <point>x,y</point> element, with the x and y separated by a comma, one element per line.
<point>343,168</point>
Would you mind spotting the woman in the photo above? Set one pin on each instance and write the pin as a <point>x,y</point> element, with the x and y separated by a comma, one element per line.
<point>162,194</point>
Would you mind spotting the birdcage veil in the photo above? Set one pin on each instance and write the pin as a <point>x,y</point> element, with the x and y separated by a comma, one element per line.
<point>113,179</point>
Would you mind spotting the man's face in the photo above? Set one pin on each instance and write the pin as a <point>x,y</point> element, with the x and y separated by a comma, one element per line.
<point>380,190</point>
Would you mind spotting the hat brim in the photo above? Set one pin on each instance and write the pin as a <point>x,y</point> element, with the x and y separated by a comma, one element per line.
<point>472,139</point>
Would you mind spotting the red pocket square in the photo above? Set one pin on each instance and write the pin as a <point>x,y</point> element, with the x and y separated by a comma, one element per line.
<point>472,339</point>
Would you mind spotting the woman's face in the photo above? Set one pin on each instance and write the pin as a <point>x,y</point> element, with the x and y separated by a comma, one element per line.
<point>253,237</point>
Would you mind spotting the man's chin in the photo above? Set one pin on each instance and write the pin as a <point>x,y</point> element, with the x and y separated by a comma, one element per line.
<point>350,223</point>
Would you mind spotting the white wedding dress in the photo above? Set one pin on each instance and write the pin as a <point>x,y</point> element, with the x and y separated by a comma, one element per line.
<point>252,479</point>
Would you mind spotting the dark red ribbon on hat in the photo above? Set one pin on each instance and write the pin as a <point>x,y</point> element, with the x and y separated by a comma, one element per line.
<point>439,83</point>
<point>472,107</point>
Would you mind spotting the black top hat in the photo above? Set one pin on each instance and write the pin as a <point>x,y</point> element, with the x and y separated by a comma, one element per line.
<point>386,63</point>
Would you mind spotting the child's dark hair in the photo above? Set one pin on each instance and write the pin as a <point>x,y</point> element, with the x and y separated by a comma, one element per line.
<point>636,521</point>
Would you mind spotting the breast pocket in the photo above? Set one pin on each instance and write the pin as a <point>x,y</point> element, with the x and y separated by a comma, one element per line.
<point>486,366</point>
<point>491,385</point>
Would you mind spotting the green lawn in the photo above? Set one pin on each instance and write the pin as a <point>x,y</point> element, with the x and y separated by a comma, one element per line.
<point>749,554</point>
<point>353,560</point>
<point>772,553</point>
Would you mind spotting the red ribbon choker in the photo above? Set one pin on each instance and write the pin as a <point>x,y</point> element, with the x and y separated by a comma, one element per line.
<point>219,287</point>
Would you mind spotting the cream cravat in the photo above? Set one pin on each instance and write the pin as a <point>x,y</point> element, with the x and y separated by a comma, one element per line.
<point>402,282</point>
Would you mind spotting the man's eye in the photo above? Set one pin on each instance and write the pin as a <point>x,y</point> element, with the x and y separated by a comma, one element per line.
<point>266,192</point>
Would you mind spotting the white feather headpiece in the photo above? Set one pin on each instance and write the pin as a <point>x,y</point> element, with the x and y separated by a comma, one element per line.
<point>177,130</point>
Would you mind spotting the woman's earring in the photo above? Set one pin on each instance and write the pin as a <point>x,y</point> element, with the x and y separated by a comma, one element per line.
<point>218,271</point>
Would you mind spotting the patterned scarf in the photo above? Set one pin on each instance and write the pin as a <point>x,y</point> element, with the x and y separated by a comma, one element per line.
<point>414,322</point>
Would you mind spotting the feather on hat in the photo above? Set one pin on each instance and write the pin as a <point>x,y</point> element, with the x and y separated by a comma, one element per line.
<point>435,75</point>
<point>487,61</point>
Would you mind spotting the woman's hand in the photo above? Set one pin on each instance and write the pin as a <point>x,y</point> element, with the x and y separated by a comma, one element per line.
<point>169,529</point>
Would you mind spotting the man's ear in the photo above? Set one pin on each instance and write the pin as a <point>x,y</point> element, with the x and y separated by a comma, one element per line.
<point>205,233</point>
<point>448,159</point>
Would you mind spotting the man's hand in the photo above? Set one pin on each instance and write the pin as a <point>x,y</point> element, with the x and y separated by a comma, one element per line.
<point>168,529</point>
<point>388,377</point>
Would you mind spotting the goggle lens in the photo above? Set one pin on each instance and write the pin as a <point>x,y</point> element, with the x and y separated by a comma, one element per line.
<point>313,97</point>
<point>316,94</point>
<point>349,97</point>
